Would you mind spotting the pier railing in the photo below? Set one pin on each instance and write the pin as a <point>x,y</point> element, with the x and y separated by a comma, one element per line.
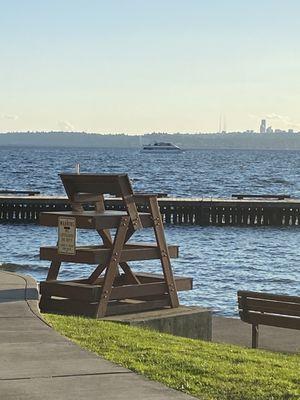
<point>197,211</point>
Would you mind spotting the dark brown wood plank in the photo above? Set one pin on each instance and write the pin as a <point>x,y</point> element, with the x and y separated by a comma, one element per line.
<point>270,306</point>
<point>53,270</point>
<point>86,198</point>
<point>112,266</point>
<point>92,219</point>
<point>132,291</point>
<point>93,184</point>
<point>270,296</point>
<point>106,237</point>
<point>164,251</point>
<point>69,307</point>
<point>75,307</point>
<point>134,307</point>
<point>182,283</point>
<point>108,242</point>
<point>101,254</point>
<point>96,273</point>
<point>270,320</point>
<point>70,290</point>
<point>130,276</point>
<point>128,198</point>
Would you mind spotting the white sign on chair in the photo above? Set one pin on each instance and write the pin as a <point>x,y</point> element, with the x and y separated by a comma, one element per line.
<point>67,235</point>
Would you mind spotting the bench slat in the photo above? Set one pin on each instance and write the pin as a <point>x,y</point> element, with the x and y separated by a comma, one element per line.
<point>269,306</point>
<point>271,320</point>
<point>269,296</point>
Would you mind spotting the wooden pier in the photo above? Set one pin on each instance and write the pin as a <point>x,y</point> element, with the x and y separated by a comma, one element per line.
<point>192,211</point>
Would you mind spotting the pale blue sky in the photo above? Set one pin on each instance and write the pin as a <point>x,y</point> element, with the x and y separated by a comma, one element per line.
<point>141,66</point>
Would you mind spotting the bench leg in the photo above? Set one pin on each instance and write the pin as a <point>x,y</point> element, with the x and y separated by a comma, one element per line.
<point>254,336</point>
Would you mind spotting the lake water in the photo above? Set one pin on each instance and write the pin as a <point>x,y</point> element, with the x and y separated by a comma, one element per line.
<point>220,259</point>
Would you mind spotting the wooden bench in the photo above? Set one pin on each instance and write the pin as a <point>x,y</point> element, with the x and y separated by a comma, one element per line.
<point>258,308</point>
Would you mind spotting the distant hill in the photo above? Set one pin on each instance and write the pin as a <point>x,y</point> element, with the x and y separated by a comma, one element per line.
<point>272,141</point>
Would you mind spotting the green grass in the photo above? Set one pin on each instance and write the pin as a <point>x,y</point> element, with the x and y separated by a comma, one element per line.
<point>205,370</point>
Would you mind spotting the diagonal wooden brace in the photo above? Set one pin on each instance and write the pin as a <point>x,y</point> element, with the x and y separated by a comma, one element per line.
<point>107,241</point>
<point>112,266</point>
<point>53,270</point>
<point>95,274</point>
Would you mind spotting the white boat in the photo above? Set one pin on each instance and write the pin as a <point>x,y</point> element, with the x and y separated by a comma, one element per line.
<point>159,147</point>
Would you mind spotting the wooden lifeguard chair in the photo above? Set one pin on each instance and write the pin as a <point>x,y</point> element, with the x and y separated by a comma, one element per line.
<point>113,287</point>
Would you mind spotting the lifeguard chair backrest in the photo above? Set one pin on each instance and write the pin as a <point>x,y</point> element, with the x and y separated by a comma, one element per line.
<point>88,188</point>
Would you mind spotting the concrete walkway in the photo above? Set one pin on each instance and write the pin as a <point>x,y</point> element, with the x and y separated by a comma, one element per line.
<point>38,363</point>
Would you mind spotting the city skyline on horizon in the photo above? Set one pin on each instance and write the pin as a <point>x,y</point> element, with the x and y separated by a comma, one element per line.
<point>166,66</point>
<point>263,128</point>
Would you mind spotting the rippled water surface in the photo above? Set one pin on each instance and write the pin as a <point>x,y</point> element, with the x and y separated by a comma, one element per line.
<point>220,259</point>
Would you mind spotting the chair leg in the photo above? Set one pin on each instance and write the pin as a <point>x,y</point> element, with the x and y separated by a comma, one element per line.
<point>112,267</point>
<point>254,336</point>
<point>164,252</point>
<point>52,276</point>
<point>53,271</point>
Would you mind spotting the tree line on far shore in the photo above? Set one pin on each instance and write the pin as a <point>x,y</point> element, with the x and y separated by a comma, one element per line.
<point>234,140</point>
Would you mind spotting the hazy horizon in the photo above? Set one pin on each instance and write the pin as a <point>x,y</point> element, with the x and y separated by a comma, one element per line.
<point>133,67</point>
<point>247,132</point>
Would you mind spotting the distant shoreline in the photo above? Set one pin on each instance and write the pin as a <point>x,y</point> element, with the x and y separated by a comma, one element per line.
<point>220,141</point>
